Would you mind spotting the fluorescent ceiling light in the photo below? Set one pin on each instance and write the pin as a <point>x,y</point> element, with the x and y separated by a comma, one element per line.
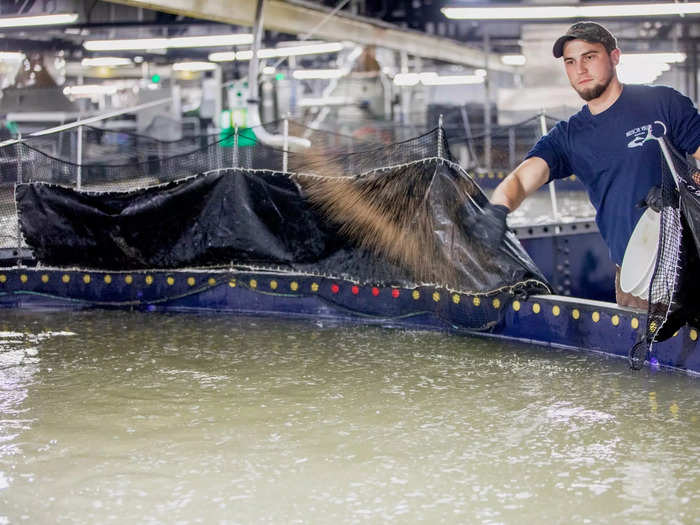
<point>310,49</point>
<point>40,20</point>
<point>325,101</point>
<point>11,56</point>
<point>86,90</point>
<point>237,39</point>
<point>165,43</point>
<point>303,74</point>
<point>222,56</point>
<point>406,79</point>
<point>132,44</point>
<point>194,66</point>
<point>513,60</point>
<point>541,12</point>
<point>433,79</point>
<point>644,68</point>
<point>668,58</point>
<point>105,62</point>
<point>451,80</point>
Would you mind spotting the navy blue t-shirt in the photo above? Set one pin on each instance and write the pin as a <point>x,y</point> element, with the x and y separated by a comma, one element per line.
<point>615,156</point>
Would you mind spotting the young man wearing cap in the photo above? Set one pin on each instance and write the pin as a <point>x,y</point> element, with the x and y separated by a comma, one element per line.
<point>607,145</point>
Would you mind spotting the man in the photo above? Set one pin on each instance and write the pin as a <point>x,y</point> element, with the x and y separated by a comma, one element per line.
<point>608,145</point>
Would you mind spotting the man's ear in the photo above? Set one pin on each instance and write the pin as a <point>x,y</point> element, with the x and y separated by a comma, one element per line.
<point>615,56</point>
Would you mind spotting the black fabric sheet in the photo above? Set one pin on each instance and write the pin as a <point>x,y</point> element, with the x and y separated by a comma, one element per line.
<point>244,217</point>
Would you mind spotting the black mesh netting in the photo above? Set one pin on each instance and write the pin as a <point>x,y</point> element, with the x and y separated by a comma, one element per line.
<point>674,287</point>
<point>348,208</point>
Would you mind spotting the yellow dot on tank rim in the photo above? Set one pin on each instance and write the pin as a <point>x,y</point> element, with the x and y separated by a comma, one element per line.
<point>556,310</point>
<point>149,280</point>
<point>496,303</point>
<point>273,284</point>
<point>170,281</point>
<point>107,279</point>
<point>536,308</point>
<point>595,316</point>
<point>693,334</point>
<point>652,327</point>
<point>455,298</point>
<point>575,313</point>
<point>615,320</point>
<point>253,283</point>
<point>232,283</point>
<point>128,279</point>
<point>294,286</point>
<point>45,278</point>
<point>314,287</point>
<point>3,278</point>
<point>516,306</point>
<point>23,278</point>
<point>65,278</point>
<point>415,294</point>
<point>87,278</point>
<point>476,301</point>
<point>634,323</point>
<point>191,281</point>
<point>436,296</point>
<point>211,281</point>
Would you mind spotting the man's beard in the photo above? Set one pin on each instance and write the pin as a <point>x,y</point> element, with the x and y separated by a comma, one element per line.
<point>588,94</point>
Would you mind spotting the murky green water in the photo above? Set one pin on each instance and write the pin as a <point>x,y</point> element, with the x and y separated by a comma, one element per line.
<point>148,418</point>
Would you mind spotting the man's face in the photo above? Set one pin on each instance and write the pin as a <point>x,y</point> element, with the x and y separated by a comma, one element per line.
<point>589,67</point>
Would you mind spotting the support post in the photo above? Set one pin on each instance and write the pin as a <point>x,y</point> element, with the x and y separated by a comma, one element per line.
<point>20,155</point>
<point>285,144</point>
<point>487,101</point>
<point>235,146</point>
<point>552,189</point>
<point>79,159</point>
<point>440,137</point>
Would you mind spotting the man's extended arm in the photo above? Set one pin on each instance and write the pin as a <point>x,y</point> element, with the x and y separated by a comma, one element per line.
<point>522,182</point>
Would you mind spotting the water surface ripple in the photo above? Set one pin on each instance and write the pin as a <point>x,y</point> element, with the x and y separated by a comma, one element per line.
<point>118,417</point>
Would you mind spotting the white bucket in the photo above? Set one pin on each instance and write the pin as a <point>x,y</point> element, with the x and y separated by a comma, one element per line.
<point>640,256</point>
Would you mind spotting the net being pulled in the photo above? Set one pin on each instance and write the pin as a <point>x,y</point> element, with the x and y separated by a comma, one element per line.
<point>382,214</point>
<point>674,286</point>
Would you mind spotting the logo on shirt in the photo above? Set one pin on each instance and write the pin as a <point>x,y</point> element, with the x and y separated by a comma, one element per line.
<point>642,134</point>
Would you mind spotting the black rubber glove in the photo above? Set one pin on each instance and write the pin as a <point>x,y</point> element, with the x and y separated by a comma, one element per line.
<point>656,200</point>
<point>489,227</point>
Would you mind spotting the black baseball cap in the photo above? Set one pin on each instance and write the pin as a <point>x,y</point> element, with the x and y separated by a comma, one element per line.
<point>588,31</point>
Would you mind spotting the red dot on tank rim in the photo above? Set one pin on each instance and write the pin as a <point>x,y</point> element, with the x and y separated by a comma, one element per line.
<point>335,288</point>
<point>395,293</point>
<point>355,290</point>
<point>375,291</point>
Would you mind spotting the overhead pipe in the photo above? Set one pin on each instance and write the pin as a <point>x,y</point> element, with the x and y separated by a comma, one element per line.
<point>253,102</point>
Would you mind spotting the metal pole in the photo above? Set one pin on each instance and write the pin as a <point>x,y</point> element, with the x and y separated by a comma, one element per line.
<point>552,189</point>
<point>511,148</point>
<point>20,155</point>
<point>669,160</point>
<point>235,146</point>
<point>440,136</point>
<point>79,159</point>
<point>487,102</point>
<point>285,144</point>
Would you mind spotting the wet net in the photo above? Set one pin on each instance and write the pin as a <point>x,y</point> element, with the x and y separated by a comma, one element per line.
<point>363,211</point>
<point>674,286</point>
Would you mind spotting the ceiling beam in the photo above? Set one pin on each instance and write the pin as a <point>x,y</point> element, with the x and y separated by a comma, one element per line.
<point>302,17</point>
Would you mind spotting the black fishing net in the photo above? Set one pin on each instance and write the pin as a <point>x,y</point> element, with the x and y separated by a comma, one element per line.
<point>674,286</point>
<point>386,214</point>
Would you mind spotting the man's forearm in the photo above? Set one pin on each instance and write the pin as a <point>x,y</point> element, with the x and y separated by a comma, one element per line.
<point>522,182</point>
<point>509,193</point>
